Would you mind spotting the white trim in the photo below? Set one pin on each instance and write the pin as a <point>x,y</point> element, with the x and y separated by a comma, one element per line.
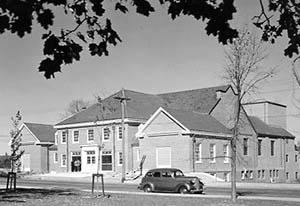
<point>87,136</point>
<point>27,143</point>
<point>149,121</point>
<point>208,134</point>
<point>24,125</point>
<point>54,159</point>
<point>56,138</point>
<point>61,142</point>
<point>199,145</point>
<point>109,131</point>
<point>119,159</point>
<point>61,160</point>
<point>90,145</point>
<point>44,143</point>
<point>163,134</point>
<point>98,123</point>
<point>74,135</point>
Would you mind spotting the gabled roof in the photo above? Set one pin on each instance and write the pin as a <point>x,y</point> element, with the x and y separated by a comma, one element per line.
<point>190,122</point>
<point>141,105</point>
<point>263,129</point>
<point>200,100</point>
<point>43,132</point>
<point>195,121</point>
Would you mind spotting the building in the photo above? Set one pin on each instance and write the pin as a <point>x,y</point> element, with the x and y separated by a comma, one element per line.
<point>190,130</point>
<point>36,140</point>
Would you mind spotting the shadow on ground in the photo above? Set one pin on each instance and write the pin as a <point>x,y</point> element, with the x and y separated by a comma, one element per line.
<point>21,194</point>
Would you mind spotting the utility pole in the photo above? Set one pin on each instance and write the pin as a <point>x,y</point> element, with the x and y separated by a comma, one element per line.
<point>123,102</point>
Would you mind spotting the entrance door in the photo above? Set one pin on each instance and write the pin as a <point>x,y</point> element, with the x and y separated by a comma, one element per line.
<point>89,159</point>
<point>163,157</point>
<point>76,162</point>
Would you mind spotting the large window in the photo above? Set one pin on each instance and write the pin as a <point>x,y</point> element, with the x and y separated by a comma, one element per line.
<point>64,137</point>
<point>90,135</point>
<point>226,153</point>
<point>106,133</point>
<point>212,153</point>
<point>75,136</point>
<point>259,143</point>
<point>272,147</point>
<point>106,161</point>
<point>198,152</point>
<point>245,146</point>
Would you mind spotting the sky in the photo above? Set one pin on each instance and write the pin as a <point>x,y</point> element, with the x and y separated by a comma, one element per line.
<point>156,55</point>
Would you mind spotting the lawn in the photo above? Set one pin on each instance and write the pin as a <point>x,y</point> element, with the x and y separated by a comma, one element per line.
<point>57,197</point>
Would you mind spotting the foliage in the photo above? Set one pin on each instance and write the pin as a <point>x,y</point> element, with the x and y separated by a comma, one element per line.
<point>18,16</point>
<point>75,106</point>
<point>15,142</point>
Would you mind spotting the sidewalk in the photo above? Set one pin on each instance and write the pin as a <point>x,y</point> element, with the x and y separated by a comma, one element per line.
<point>116,178</point>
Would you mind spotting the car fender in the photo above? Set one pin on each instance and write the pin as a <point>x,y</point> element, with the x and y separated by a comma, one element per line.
<point>188,186</point>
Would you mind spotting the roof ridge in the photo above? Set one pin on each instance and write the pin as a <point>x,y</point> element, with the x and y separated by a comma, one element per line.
<point>38,123</point>
<point>190,90</point>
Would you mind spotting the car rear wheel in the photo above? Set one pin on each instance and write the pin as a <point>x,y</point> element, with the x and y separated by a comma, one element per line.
<point>183,190</point>
<point>147,188</point>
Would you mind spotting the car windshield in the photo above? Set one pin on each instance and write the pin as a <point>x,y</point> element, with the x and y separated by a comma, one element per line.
<point>178,173</point>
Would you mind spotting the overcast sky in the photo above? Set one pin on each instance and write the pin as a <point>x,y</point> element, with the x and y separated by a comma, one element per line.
<point>157,55</point>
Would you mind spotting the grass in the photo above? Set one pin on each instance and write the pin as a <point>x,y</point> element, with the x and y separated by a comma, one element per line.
<point>58,197</point>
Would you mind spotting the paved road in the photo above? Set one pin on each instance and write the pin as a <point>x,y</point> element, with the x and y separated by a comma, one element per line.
<point>133,188</point>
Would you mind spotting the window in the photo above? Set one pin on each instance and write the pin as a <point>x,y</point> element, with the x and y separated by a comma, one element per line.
<point>258,174</point>
<point>274,173</point>
<point>90,135</point>
<point>286,141</point>
<point>166,174</point>
<point>120,133</point>
<point>296,175</point>
<point>296,158</point>
<point>270,173</point>
<point>259,147</point>
<point>198,151</point>
<point>287,158</point>
<point>212,153</point>
<point>63,160</point>
<point>226,153</point>
<point>245,145</point>
<point>63,137</point>
<point>106,133</point>
<point>263,174</point>
<point>120,162</point>
<point>55,158</point>
<point>277,173</point>
<point>90,157</point>
<point>156,174</point>
<point>287,175</point>
<point>242,175</point>
<point>106,161</point>
<point>75,136</point>
<point>272,147</point>
<point>251,174</point>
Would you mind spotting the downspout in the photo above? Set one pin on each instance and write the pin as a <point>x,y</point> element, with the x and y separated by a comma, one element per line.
<point>114,147</point>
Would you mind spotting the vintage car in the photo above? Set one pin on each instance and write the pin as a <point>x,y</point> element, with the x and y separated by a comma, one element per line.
<point>170,180</point>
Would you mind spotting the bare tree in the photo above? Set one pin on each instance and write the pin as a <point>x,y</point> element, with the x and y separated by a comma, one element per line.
<point>244,71</point>
<point>74,107</point>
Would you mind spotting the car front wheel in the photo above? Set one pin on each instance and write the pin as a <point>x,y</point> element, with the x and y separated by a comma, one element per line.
<point>183,190</point>
<point>147,188</point>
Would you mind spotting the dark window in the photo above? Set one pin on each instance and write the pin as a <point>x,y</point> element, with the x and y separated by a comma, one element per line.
<point>106,161</point>
<point>90,135</point>
<point>296,158</point>
<point>286,158</point>
<point>75,136</point>
<point>296,175</point>
<point>156,174</point>
<point>259,147</point>
<point>272,147</point>
<point>258,174</point>
<point>245,146</point>
<point>166,174</point>
<point>263,174</point>
<point>287,175</point>
<point>149,174</point>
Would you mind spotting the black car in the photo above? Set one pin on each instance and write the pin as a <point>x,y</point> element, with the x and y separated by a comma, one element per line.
<point>170,180</point>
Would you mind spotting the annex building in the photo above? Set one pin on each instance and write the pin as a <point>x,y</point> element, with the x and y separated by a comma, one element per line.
<point>189,130</point>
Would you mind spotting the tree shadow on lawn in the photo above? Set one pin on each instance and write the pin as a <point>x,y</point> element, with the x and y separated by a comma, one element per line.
<point>21,194</point>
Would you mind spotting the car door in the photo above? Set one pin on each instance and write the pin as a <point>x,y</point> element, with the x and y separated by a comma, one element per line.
<point>157,181</point>
<point>168,181</point>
